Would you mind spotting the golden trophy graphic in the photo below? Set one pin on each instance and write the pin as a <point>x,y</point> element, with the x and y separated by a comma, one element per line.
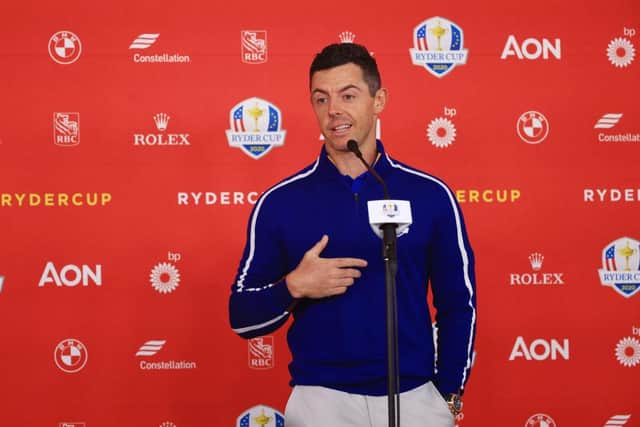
<point>627,252</point>
<point>262,420</point>
<point>256,113</point>
<point>438,32</point>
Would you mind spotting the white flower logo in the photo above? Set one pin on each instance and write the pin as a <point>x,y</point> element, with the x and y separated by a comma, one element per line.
<point>164,278</point>
<point>628,352</point>
<point>621,52</point>
<point>441,132</point>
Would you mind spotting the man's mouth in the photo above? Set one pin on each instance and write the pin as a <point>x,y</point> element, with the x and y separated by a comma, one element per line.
<point>341,127</point>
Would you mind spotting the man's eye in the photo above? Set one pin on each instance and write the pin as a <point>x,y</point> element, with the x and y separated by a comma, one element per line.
<point>321,100</point>
<point>349,97</point>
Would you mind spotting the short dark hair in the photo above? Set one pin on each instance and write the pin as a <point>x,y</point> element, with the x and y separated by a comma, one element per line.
<point>338,54</point>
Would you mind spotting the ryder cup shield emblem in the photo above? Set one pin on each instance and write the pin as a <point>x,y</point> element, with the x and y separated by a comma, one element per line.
<point>621,266</point>
<point>438,46</point>
<point>260,416</point>
<point>255,127</point>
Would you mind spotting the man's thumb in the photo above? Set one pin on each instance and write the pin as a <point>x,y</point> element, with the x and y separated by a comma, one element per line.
<point>319,247</point>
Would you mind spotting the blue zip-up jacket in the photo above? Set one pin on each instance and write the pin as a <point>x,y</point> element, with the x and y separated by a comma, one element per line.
<point>340,342</point>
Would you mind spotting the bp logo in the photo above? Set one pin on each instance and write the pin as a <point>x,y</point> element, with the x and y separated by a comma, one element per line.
<point>621,266</point>
<point>70,355</point>
<point>255,127</point>
<point>438,46</point>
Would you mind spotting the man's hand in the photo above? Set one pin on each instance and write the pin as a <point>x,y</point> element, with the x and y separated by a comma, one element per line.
<point>317,277</point>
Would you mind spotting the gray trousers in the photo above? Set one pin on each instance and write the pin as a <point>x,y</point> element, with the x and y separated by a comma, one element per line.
<point>312,406</point>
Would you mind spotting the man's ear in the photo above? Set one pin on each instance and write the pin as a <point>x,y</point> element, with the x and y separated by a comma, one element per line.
<point>380,100</point>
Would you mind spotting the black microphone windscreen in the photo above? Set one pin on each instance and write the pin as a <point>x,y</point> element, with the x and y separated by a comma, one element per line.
<point>352,145</point>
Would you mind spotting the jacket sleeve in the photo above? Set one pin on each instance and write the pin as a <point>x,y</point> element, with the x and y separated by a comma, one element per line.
<point>454,297</point>
<point>259,299</point>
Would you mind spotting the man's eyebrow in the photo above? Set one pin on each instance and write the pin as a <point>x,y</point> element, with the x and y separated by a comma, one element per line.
<point>345,88</point>
<point>350,86</point>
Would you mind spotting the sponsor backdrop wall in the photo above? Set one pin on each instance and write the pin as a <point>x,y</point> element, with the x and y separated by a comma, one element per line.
<point>135,138</point>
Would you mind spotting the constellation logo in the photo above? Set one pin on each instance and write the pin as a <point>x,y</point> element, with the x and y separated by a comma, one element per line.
<point>70,355</point>
<point>255,127</point>
<point>253,44</point>
<point>540,349</point>
<point>261,355</point>
<point>532,127</point>
<point>161,121</point>
<point>438,46</point>
<point>536,278</point>
<point>620,50</point>
<point>346,37</point>
<point>531,48</point>
<point>609,121</point>
<point>168,424</point>
<point>260,415</point>
<point>441,132</point>
<point>1,283</point>
<point>144,41</point>
<point>151,348</point>
<point>628,349</point>
<point>540,420</point>
<point>71,424</point>
<point>64,47</point>
<point>621,266</point>
<point>617,420</point>
<point>165,277</point>
<point>71,275</point>
<point>66,129</point>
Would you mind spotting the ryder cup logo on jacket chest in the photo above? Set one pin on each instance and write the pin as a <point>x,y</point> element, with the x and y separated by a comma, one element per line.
<point>255,127</point>
<point>438,46</point>
<point>621,266</point>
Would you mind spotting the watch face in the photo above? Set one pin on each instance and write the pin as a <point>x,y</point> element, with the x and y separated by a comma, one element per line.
<point>455,402</point>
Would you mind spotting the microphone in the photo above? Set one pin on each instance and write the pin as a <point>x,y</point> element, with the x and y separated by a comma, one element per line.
<point>387,213</point>
<point>352,145</point>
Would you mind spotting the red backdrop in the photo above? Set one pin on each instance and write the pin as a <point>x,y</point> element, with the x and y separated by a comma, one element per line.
<point>116,258</point>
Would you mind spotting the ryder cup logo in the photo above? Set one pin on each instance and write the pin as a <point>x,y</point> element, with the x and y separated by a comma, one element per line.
<point>438,46</point>
<point>64,47</point>
<point>621,266</point>
<point>255,127</point>
<point>70,355</point>
<point>260,416</point>
<point>390,209</point>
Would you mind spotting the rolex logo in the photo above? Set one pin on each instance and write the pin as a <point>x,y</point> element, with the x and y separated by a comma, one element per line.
<point>347,37</point>
<point>161,120</point>
<point>536,261</point>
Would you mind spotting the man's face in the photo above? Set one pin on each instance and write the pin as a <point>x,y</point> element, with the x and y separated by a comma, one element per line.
<point>344,107</point>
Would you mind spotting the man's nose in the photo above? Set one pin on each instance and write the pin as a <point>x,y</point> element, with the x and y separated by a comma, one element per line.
<point>334,108</point>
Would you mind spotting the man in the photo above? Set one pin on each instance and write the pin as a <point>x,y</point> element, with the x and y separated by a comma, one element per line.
<point>310,252</point>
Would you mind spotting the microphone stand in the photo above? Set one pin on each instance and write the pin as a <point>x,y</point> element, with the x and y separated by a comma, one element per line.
<point>390,257</point>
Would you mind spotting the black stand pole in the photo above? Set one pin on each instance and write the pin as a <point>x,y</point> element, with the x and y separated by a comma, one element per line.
<point>390,256</point>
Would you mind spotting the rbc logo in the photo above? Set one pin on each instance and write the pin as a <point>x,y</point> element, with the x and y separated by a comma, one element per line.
<point>254,46</point>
